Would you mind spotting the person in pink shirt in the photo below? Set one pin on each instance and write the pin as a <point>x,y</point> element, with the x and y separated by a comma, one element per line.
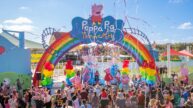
<point>6,103</point>
<point>184,74</point>
<point>76,102</point>
<point>168,103</point>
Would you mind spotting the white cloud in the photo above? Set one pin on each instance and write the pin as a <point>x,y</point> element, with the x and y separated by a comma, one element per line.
<point>19,20</point>
<point>166,40</point>
<point>23,8</point>
<point>1,26</point>
<point>176,1</point>
<point>28,28</point>
<point>185,26</point>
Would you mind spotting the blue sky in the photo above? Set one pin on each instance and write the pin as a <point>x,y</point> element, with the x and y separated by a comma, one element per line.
<point>162,21</point>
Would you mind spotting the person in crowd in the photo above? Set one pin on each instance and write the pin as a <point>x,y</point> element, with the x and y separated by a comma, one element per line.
<point>120,102</point>
<point>141,99</point>
<point>76,103</point>
<point>19,87</point>
<point>59,100</point>
<point>110,102</point>
<point>161,95</point>
<point>63,85</point>
<point>168,103</point>
<point>47,100</point>
<point>104,99</point>
<point>85,105</point>
<point>127,101</point>
<point>133,101</point>
<point>6,103</point>
<point>84,95</point>
<point>95,101</point>
<point>96,77</point>
<point>189,102</point>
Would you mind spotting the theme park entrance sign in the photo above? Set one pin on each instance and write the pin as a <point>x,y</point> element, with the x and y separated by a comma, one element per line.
<point>109,29</point>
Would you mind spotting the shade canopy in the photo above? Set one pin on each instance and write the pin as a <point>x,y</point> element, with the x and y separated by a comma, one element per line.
<point>186,53</point>
<point>172,53</point>
<point>178,53</point>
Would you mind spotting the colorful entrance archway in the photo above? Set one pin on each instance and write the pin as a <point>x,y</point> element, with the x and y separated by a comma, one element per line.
<point>55,52</point>
<point>99,30</point>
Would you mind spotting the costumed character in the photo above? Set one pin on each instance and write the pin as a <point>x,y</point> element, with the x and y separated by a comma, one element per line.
<point>114,71</point>
<point>76,81</point>
<point>88,74</point>
<point>108,76</point>
<point>96,13</point>
<point>125,82</point>
<point>118,77</point>
<point>96,77</point>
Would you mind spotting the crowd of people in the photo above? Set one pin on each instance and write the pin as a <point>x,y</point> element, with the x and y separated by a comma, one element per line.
<point>139,95</point>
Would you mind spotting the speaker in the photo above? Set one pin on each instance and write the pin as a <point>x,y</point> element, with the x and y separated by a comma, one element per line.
<point>163,70</point>
<point>38,76</point>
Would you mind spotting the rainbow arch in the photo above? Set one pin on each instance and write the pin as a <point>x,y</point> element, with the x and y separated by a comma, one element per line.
<point>66,42</point>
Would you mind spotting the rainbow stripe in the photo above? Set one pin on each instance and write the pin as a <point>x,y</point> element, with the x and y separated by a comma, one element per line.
<point>136,48</point>
<point>55,52</point>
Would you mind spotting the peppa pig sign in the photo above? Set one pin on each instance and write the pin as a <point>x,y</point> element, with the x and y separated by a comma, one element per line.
<point>97,29</point>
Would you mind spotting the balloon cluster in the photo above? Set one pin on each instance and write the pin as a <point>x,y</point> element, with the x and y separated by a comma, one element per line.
<point>88,73</point>
<point>125,70</point>
<point>113,70</point>
<point>69,72</point>
<point>76,82</point>
<point>124,74</point>
<point>47,74</point>
<point>148,72</point>
<point>125,79</point>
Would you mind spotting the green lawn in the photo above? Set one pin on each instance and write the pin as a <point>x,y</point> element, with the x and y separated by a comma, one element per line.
<point>176,69</point>
<point>14,76</point>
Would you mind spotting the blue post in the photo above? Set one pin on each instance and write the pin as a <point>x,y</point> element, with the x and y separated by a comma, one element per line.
<point>21,39</point>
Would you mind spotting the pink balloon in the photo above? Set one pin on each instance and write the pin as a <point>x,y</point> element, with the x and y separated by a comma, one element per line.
<point>85,58</point>
<point>85,70</point>
<point>75,80</point>
<point>113,60</point>
<point>125,79</point>
<point>184,71</point>
<point>72,79</point>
